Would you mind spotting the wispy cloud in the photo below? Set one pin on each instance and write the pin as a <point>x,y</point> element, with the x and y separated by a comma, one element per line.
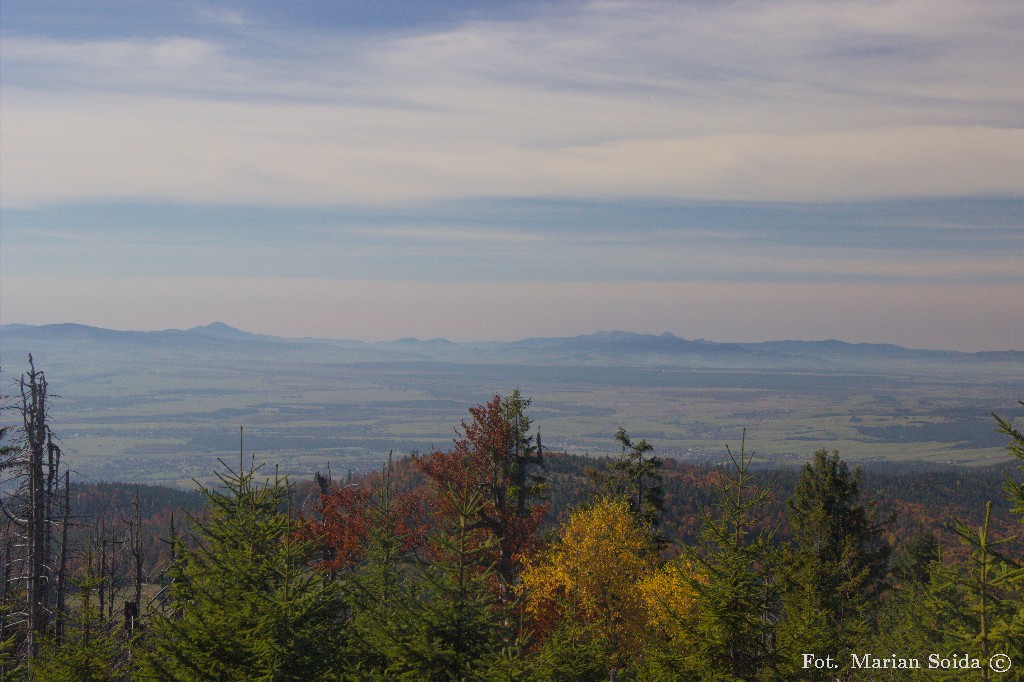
<point>746,101</point>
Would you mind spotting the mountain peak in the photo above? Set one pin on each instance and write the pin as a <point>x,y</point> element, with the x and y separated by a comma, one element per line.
<point>218,329</point>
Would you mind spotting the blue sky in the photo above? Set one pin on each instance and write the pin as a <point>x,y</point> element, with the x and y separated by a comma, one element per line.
<point>734,171</point>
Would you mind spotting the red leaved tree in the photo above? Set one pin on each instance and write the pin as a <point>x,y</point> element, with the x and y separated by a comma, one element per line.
<point>496,458</point>
<point>368,516</point>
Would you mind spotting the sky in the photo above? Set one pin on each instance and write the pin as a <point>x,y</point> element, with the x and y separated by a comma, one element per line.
<point>735,171</point>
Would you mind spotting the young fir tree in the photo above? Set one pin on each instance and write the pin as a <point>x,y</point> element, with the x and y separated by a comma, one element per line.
<point>732,621</point>
<point>1012,630</point>
<point>393,527</point>
<point>922,615</point>
<point>913,564</point>
<point>837,568</point>
<point>244,604</point>
<point>1014,489</point>
<point>93,650</point>
<point>444,620</point>
<point>991,595</point>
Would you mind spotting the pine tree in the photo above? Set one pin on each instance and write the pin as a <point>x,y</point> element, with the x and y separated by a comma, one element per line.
<point>244,604</point>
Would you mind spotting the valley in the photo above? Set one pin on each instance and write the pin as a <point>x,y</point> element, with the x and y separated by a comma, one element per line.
<point>162,407</point>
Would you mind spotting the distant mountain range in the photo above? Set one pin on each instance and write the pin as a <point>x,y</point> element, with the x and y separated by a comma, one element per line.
<point>611,348</point>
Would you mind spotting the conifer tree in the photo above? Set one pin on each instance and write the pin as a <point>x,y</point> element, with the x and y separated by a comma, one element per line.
<point>913,564</point>
<point>837,569</point>
<point>444,622</point>
<point>1014,488</point>
<point>391,529</point>
<point>735,598</point>
<point>92,650</point>
<point>994,581</point>
<point>923,615</point>
<point>244,604</point>
<point>637,478</point>
<point>497,457</point>
<point>1012,630</point>
<point>990,583</point>
<point>974,608</point>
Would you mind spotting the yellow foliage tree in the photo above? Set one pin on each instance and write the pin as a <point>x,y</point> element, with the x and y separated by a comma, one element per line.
<point>668,593</point>
<point>591,575</point>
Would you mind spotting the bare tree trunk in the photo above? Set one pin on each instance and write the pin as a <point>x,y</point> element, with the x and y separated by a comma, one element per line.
<point>33,395</point>
<point>102,532</point>
<point>29,567</point>
<point>137,555</point>
<point>62,572</point>
<point>8,542</point>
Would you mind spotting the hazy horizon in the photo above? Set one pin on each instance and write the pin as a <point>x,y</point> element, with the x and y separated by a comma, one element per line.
<point>593,332</point>
<point>499,171</point>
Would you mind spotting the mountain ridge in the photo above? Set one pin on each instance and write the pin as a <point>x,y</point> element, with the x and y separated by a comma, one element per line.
<point>615,347</point>
<point>222,329</point>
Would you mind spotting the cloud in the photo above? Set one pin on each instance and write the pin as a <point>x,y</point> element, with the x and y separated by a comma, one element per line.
<point>285,154</point>
<point>783,101</point>
<point>108,64</point>
<point>516,241</point>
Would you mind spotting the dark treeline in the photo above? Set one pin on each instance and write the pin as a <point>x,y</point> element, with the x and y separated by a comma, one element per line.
<point>919,496</point>
<point>919,499</point>
<point>497,560</point>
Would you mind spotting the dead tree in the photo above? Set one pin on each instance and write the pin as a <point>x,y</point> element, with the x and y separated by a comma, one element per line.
<point>32,466</point>
<point>136,552</point>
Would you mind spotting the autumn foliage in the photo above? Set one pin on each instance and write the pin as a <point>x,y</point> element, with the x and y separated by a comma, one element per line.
<point>492,458</point>
<point>592,574</point>
<point>347,516</point>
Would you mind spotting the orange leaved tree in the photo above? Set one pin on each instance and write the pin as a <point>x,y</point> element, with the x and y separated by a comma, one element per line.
<point>495,458</point>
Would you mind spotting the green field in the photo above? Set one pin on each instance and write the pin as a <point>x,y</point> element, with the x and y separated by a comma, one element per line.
<point>167,419</point>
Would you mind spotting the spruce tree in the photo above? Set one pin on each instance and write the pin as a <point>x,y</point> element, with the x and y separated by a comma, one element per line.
<point>244,604</point>
<point>991,587</point>
<point>636,477</point>
<point>837,569</point>
<point>497,457</point>
<point>1012,629</point>
<point>734,593</point>
<point>444,620</point>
